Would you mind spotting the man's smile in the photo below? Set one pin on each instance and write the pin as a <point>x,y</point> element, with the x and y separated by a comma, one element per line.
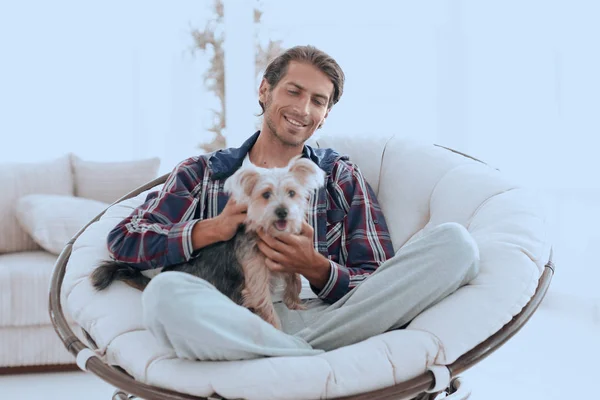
<point>294,122</point>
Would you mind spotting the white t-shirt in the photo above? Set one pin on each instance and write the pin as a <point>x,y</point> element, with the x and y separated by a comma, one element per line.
<point>278,287</point>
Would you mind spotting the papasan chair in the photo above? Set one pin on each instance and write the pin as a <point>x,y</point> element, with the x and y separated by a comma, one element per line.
<point>418,185</point>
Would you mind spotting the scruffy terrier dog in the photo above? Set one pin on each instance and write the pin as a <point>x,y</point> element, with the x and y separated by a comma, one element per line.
<point>277,200</point>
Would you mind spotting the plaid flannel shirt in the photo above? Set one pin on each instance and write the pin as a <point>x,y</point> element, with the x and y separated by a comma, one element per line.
<point>350,229</point>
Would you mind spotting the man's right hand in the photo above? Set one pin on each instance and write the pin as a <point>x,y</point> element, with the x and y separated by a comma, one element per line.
<point>230,219</point>
<point>220,228</point>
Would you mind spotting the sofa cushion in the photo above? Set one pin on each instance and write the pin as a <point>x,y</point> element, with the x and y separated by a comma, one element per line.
<point>32,345</point>
<point>52,220</point>
<point>109,181</point>
<point>20,179</point>
<point>24,283</point>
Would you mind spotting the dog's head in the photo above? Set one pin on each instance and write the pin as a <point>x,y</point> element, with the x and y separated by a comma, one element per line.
<point>277,198</point>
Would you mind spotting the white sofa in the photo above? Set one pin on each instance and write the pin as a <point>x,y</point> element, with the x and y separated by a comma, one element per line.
<point>418,186</point>
<point>42,205</point>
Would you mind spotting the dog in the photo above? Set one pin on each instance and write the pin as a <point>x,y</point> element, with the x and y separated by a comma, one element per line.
<point>277,200</point>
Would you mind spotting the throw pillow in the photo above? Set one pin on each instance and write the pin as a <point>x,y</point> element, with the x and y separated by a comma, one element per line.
<point>109,181</point>
<point>52,220</point>
<point>19,179</point>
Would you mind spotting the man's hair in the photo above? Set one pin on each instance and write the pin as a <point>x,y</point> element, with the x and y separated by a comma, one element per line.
<point>277,69</point>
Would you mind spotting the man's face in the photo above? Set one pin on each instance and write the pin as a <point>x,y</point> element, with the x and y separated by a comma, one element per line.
<point>297,105</point>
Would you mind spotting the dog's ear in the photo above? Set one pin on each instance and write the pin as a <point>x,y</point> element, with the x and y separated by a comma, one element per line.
<point>307,173</point>
<point>241,183</point>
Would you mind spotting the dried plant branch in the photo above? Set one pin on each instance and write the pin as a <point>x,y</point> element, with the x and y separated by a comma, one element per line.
<point>214,77</point>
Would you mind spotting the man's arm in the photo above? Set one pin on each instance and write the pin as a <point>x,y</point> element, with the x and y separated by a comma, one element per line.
<point>368,242</point>
<point>159,232</point>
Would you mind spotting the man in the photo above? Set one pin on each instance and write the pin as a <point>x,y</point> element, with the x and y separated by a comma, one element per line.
<point>355,286</point>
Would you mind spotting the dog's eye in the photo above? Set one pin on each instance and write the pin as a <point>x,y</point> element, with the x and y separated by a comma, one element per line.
<point>266,195</point>
<point>292,193</point>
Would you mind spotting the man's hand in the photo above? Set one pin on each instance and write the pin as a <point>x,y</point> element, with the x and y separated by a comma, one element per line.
<point>230,219</point>
<point>295,254</point>
<point>220,228</point>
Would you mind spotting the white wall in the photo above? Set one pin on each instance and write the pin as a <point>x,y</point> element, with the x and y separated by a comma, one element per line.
<point>534,89</point>
<point>388,56</point>
<point>512,82</point>
<point>108,80</point>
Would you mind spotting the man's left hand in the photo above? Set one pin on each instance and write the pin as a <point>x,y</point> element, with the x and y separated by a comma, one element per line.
<point>295,254</point>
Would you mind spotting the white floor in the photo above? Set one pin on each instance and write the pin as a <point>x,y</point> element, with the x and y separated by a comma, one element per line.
<point>554,356</point>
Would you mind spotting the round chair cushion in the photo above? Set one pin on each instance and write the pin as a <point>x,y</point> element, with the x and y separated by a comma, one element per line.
<point>417,185</point>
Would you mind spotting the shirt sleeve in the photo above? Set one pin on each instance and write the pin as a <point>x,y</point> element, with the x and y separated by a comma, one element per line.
<point>158,233</point>
<point>368,243</point>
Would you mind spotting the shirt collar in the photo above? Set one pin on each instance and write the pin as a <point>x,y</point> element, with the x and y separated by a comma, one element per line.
<point>223,163</point>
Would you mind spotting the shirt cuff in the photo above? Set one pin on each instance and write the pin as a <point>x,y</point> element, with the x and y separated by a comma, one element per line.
<point>337,285</point>
<point>179,247</point>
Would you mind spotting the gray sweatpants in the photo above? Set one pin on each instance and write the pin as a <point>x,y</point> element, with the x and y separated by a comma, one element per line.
<point>190,316</point>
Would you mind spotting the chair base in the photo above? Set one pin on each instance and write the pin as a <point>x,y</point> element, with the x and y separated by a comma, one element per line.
<point>457,390</point>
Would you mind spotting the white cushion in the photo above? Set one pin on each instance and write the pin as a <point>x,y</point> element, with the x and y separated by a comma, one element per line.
<point>421,185</point>
<point>113,318</point>
<point>368,158</point>
<point>417,185</point>
<point>20,179</point>
<point>24,281</point>
<point>111,312</point>
<point>52,220</point>
<point>109,181</point>
<point>375,363</point>
<point>32,345</point>
<point>434,186</point>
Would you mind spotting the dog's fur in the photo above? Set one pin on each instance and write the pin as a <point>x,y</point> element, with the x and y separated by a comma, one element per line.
<point>277,200</point>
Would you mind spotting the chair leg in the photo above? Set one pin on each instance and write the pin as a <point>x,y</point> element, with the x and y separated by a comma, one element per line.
<point>121,395</point>
<point>458,390</point>
<point>428,396</point>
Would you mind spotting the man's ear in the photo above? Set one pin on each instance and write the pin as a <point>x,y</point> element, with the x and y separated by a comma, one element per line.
<point>263,89</point>
<point>324,118</point>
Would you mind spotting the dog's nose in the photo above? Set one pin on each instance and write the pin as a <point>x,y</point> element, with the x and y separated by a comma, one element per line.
<point>281,212</point>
